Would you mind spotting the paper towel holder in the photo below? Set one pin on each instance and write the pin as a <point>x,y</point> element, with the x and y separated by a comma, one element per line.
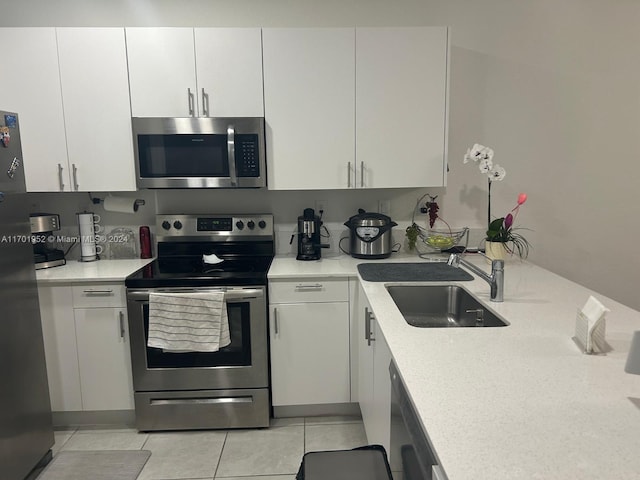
<point>138,202</point>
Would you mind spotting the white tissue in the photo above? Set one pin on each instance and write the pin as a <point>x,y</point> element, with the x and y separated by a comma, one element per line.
<point>212,259</point>
<point>591,325</point>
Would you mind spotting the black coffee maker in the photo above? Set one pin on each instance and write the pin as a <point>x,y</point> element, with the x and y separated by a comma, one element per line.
<point>309,245</point>
<point>42,227</point>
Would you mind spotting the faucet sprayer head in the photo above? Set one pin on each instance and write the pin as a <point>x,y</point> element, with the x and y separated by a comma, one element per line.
<point>454,260</point>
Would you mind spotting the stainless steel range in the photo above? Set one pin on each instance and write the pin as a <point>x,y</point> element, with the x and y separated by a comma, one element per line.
<point>229,388</point>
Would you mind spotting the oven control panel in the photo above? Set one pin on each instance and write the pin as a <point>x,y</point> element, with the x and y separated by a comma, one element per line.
<point>214,225</point>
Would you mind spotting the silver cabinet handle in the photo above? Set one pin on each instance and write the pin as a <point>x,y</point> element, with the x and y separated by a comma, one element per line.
<point>275,321</point>
<point>205,103</point>
<point>231,153</point>
<point>190,100</point>
<point>362,174</point>
<point>98,292</point>
<point>75,177</point>
<point>60,181</point>
<point>121,318</point>
<point>349,174</point>
<point>309,286</point>
<point>368,334</point>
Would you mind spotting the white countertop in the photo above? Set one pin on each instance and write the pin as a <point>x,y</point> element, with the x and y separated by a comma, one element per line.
<point>98,271</point>
<point>285,266</point>
<point>515,402</point>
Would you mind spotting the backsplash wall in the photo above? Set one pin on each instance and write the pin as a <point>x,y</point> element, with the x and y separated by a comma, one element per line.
<point>286,206</point>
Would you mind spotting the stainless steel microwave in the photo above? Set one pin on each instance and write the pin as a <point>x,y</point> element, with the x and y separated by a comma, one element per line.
<point>199,152</point>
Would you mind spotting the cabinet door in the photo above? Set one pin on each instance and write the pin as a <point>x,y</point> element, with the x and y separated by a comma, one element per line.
<point>162,72</point>
<point>104,358</point>
<point>95,94</point>
<point>366,342</point>
<point>309,105</point>
<point>59,333</point>
<point>374,385</point>
<point>229,72</point>
<point>401,93</point>
<point>310,353</point>
<point>30,86</point>
<point>379,431</point>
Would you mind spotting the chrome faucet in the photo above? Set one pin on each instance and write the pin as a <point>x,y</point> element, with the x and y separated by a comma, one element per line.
<point>495,280</point>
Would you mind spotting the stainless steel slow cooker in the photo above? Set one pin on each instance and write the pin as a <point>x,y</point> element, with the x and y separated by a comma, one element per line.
<point>370,235</point>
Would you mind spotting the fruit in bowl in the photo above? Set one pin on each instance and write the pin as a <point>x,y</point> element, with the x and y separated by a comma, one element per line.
<point>441,242</point>
<point>441,239</point>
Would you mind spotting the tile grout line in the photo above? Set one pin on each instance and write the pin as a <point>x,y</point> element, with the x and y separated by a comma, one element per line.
<point>215,470</point>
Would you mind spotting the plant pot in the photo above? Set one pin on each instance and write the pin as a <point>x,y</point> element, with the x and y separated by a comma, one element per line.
<point>496,250</point>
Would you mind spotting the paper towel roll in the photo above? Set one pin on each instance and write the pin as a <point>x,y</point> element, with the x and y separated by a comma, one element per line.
<point>120,204</point>
<point>87,237</point>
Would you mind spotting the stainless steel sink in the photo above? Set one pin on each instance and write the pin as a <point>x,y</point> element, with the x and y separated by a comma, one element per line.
<point>441,306</point>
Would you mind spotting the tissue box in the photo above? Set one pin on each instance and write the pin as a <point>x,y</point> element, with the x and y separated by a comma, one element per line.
<point>590,335</point>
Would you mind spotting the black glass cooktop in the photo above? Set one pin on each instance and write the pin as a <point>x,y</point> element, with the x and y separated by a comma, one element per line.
<point>183,265</point>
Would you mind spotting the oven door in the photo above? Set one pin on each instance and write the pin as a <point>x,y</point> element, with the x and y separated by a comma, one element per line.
<point>199,152</point>
<point>241,364</point>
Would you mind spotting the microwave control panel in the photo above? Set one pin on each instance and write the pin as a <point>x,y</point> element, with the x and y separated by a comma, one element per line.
<point>247,161</point>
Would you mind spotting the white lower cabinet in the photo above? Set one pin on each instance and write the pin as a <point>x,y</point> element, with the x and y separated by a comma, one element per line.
<point>374,384</point>
<point>309,334</point>
<point>61,353</point>
<point>104,359</point>
<point>86,347</point>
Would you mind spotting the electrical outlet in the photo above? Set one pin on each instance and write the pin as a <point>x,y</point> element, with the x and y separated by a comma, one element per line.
<point>384,207</point>
<point>321,205</point>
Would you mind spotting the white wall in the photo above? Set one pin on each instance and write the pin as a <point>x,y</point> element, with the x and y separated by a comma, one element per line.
<point>552,86</point>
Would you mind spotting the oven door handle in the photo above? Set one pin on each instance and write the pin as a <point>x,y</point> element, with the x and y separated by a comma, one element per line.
<point>230,294</point>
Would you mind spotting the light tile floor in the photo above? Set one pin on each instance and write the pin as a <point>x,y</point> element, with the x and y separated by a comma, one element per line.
<point>272,453</point>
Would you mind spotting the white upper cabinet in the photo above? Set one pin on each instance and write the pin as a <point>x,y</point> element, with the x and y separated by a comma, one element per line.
<point>95,94</point>
<point>30,86</point>
<point>162,72</point>
<point>401,106</point>
<point>309,97</point>
<point>185,72</point>
<point>356,108</point>
<point>229,72</point>
<point>70,89</point>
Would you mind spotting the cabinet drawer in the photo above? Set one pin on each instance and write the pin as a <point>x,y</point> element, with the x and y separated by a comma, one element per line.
<point>99,295</point>
<point>309,290</point>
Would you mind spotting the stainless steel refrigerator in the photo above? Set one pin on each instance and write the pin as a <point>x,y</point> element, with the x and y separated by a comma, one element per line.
<point>26,432</point>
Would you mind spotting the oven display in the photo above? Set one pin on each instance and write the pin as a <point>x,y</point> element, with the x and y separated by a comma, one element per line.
<point>219,224</point>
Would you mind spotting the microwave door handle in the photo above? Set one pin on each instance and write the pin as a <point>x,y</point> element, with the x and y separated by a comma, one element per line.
<point>231,154</point>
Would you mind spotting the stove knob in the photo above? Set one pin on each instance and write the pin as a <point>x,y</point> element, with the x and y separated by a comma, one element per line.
<point>177,224</point>
<point>239,225</point>
<point>262,224</point>
<point>251,225</point>
<point>166,225</point>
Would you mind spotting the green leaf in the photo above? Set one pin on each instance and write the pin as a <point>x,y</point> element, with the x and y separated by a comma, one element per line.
<point>497,224</point>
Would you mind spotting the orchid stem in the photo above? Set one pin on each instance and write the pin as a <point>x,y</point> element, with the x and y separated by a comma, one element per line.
<point>489,206</point>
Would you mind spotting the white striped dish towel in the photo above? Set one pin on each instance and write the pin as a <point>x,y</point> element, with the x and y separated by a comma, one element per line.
<point>188,322</point>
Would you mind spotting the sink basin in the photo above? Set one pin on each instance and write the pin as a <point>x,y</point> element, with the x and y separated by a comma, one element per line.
<point>442,306</point>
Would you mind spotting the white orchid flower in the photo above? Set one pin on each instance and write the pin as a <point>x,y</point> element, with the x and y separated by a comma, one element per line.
<point>488,153</point>
<point>480,152</point>
<point>497,173</point>
<point>485,165</point>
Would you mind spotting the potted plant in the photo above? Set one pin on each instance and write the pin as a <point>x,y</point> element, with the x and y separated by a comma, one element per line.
<point>501,237</point>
